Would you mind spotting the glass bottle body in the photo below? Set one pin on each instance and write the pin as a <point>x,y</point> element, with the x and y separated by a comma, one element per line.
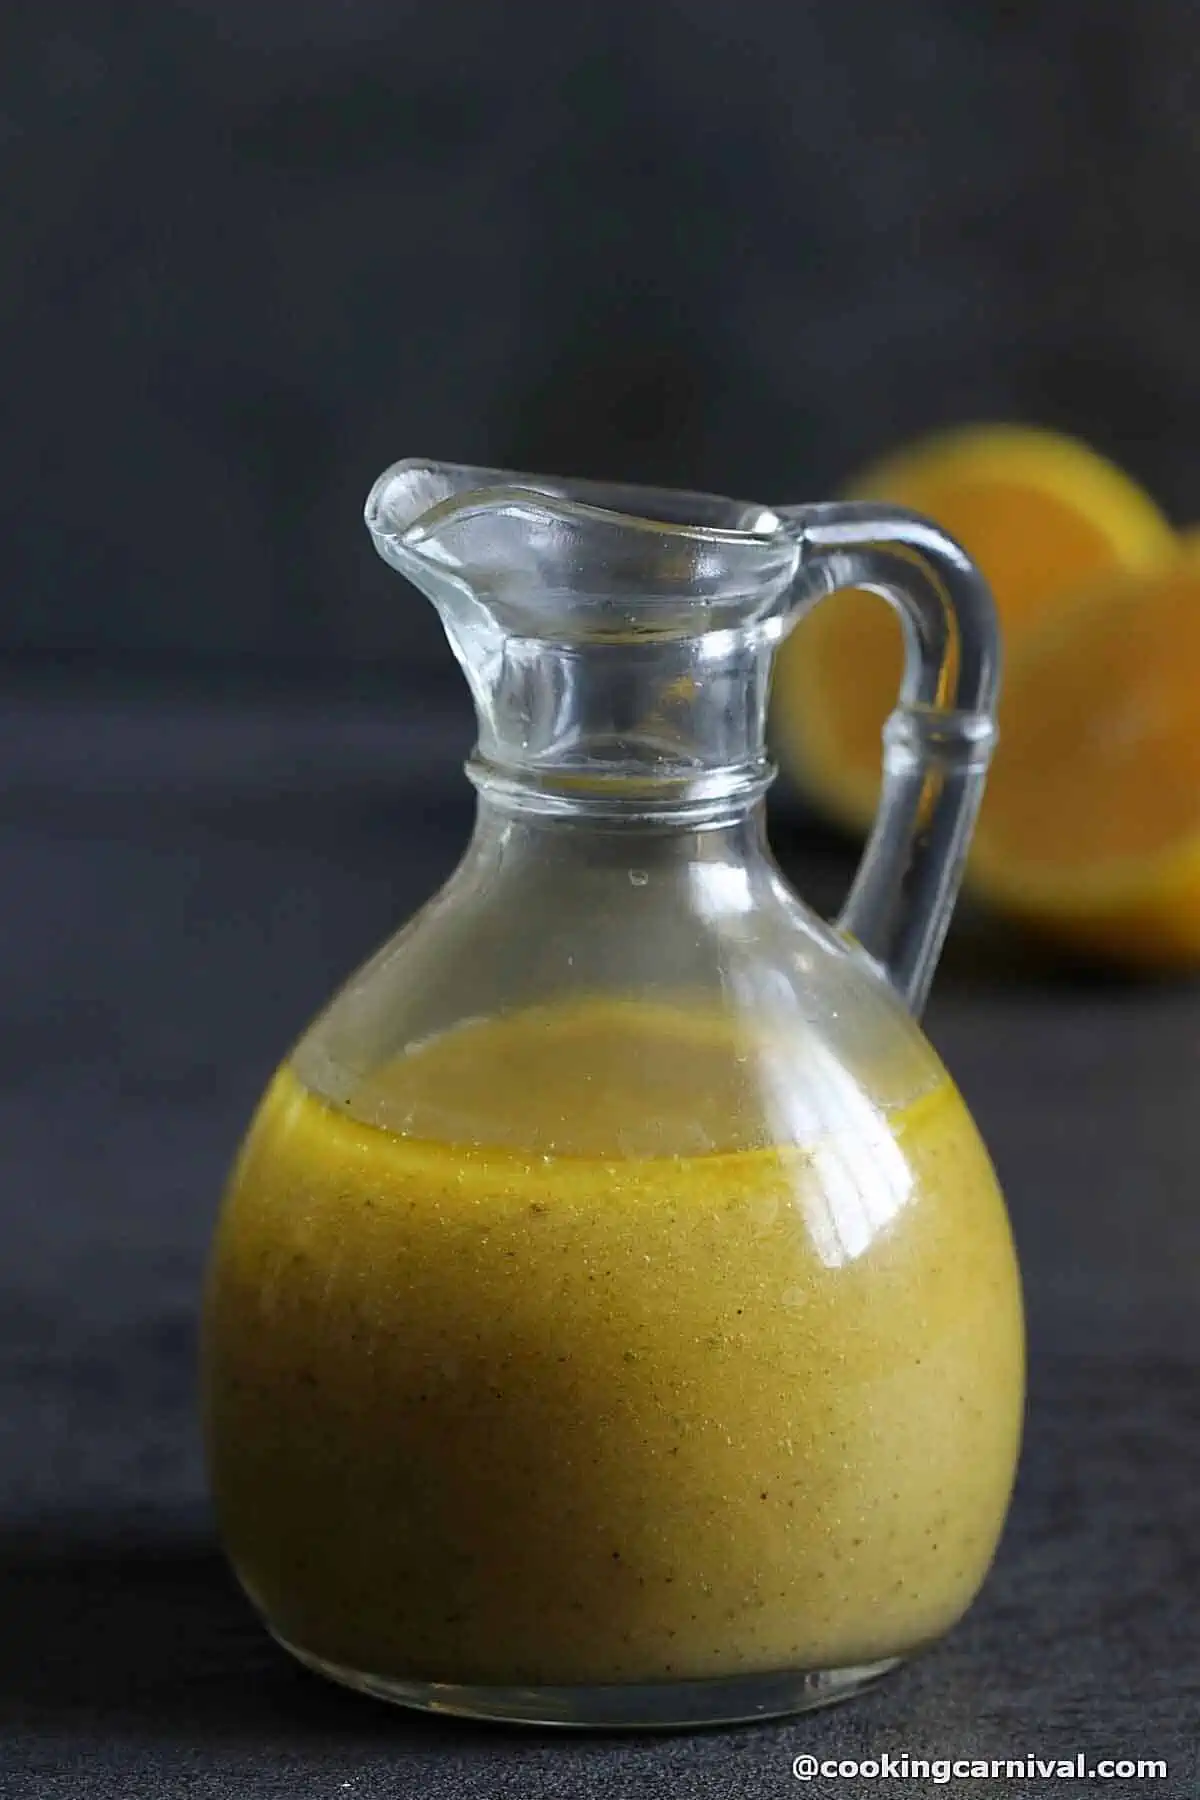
<point>613,1317</point>
<point>644,1350</point>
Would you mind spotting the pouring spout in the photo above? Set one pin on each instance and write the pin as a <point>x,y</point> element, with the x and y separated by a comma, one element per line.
<point>610,635</point>
<point>568,559</point>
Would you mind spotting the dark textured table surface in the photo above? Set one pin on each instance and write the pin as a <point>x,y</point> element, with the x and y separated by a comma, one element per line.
<point>184,881</point>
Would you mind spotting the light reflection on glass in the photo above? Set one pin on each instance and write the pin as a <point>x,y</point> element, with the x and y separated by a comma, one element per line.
<point>720,888</point>
<point>860,1177</point>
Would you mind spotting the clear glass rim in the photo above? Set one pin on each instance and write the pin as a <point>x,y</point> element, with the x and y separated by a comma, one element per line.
<point>692,516</point>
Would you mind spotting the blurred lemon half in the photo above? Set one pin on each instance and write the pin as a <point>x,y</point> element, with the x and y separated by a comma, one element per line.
<point>1041,514</point>
<point>1091,828</point>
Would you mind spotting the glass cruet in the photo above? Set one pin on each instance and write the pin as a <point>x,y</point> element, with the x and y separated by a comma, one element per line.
<point>613,1317</point>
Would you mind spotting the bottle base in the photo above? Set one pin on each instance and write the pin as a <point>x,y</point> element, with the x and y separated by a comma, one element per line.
<point>615,1706</point>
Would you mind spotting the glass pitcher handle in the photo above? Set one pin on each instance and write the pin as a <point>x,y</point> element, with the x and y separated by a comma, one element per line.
<point>938,742</point>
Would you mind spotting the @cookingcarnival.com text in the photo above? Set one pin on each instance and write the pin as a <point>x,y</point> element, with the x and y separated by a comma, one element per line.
<point>945,1769</point>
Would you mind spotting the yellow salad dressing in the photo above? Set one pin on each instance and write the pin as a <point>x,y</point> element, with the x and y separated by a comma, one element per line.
<point>550,1356</point>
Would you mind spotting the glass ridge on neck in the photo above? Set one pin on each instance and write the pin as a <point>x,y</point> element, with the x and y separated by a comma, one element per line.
<point>713,797</point>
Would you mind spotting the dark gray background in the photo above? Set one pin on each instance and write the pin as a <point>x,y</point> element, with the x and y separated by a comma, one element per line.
<point>249,254</point>
<point>253,252</point>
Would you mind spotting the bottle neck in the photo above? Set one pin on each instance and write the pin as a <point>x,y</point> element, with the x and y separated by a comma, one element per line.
<point>630,730</point>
